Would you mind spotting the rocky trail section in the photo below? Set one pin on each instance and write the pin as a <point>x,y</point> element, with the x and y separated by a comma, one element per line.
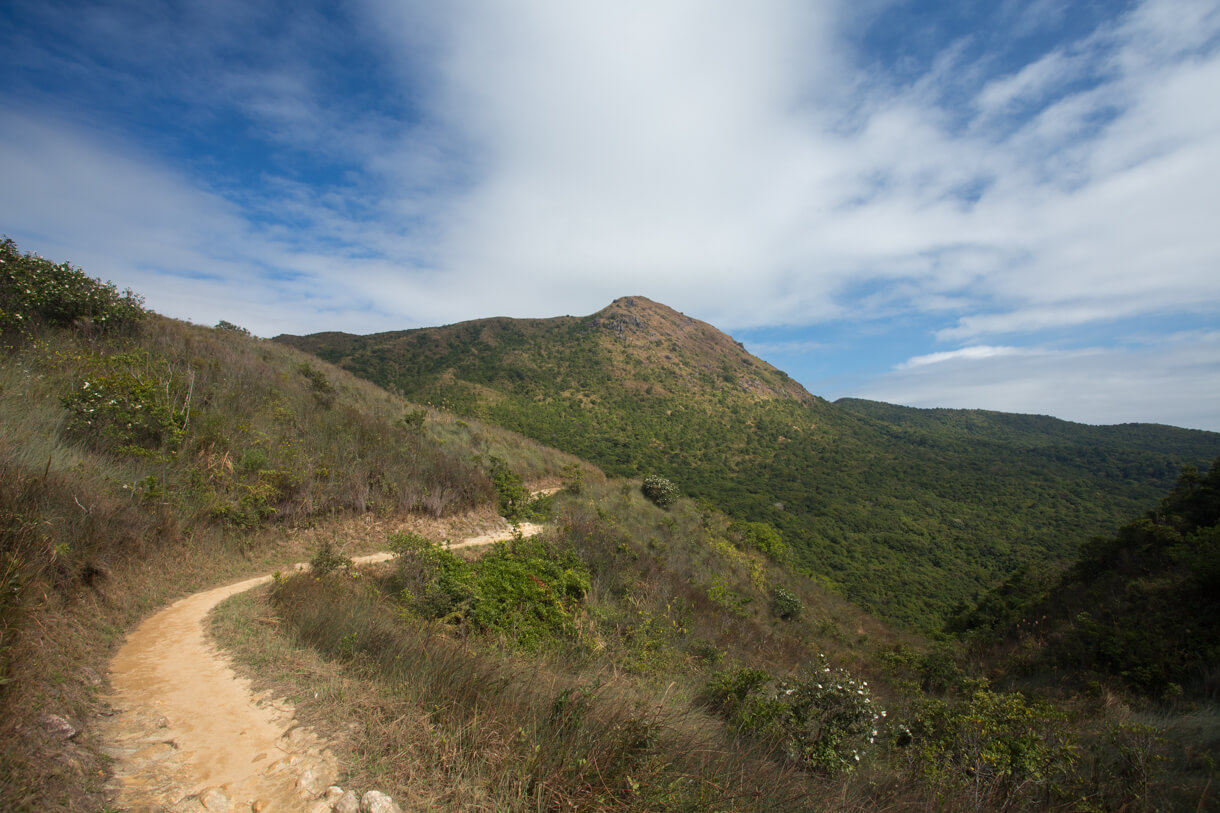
<point>188,735</point>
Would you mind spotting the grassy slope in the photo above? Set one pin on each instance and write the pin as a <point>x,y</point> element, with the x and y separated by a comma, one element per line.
<point>105,513</point>
<point>911,513</point>
<point>100,525</point>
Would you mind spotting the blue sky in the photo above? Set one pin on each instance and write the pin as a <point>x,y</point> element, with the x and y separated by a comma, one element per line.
<point>1005,205</point>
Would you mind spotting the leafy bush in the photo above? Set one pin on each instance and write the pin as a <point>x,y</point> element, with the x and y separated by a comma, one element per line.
<point>525,590</point>
<point>414,419</point>
<point>528,591</point>
<point>323,391</point>
<point>995,744</point>
<point>34,290</point>
<point>761,537</point>
<point>430,581</point>
<point>786,604</point>
<point>127,403</point>
<point>662,492</point>
<point>512,496</point>
<point>825,720</point>
<point>328,559</point>
<point>226,325</point>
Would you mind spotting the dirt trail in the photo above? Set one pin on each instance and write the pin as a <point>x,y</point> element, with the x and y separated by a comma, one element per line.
<point>188,734</point>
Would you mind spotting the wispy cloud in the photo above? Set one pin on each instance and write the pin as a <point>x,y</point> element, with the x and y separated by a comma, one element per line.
<point>974,353</point>
<point>1172,379</point>
<point>389,164</point>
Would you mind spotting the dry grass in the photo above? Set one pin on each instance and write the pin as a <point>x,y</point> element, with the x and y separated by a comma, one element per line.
<point>94,535</point>
<point>446,726</point>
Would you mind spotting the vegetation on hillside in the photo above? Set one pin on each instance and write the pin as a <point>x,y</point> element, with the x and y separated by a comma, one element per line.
<point>140,455</point>
<point>635,661</point>
<point>1141,607</point>
<point>908,512</point>
<point>648,652</point>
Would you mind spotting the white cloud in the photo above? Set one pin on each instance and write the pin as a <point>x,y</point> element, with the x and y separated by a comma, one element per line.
<point>1176,379</point>
<point>976,352</point>
<point>730,160</point>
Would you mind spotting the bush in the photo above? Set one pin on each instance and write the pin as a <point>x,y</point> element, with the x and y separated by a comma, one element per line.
<point>761,537</point>
<point>512,495</point>
<point>525,590</point>
<point>825,720</point>
<point>126,402</point>
<point>995,744</point>
<point>662,492</point>
<point>228,326</point>
<point>786,604</point>
<point>328,559</point>
<point>34,290</point>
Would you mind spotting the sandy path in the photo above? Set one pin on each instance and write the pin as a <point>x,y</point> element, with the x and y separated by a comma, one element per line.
<point>188,733</point>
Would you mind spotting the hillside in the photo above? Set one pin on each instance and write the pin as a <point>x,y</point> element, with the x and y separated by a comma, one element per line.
<point>643,653</point>
<point>142,457</point>
<point>1141,607</point>
<point>911,513</point>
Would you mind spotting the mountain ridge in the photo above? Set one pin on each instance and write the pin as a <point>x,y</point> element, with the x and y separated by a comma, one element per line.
<point>910,513</point>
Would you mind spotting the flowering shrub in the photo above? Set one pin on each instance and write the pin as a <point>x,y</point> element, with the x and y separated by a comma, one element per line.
<point>825,719</point>
<point>786,604</point>
<point>122,403</point>
<point>661,491</point>
<point>34,290</point>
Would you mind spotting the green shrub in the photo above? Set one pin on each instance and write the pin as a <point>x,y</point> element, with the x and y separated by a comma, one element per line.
<point>126,402</point>
<point>512,496</point>
<point>430,581</point>
<point>34,290</point>
<point>761,537</point>
<point>995,744</point>
<point>525,591</point>
<point>825,720</point>
<point>574,478</point>
<point>228,326</point>
<point>323,391</point>
<point>528,591</point>
<point>786,604</point>
<point>328,558</point>
<point>414,419</point>
<point>662,492</point>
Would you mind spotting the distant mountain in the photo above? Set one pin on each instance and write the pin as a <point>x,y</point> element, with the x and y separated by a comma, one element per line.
<point>910,512</point>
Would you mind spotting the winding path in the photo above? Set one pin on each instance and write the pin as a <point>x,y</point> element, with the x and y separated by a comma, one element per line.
<point>187,733</point>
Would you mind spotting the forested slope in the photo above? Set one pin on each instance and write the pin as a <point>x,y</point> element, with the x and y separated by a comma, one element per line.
<point>909,512</point>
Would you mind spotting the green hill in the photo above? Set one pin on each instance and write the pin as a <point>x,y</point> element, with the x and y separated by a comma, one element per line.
<point>910,512</point>
<point>142,457</point>
<point>644,653</point>
<point>1141,606</point>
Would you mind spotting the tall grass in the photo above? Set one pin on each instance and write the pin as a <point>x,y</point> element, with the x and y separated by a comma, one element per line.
<point>529,735</point>
<point>99,522</point>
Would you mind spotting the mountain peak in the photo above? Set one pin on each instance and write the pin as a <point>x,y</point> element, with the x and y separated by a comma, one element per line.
<point>659,336</point>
